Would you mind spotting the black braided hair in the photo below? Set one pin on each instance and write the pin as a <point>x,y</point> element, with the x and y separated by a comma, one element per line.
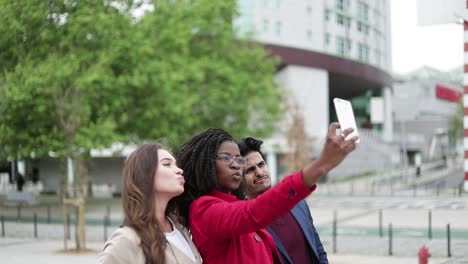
<point>197,158</point>
<point>250,144</point>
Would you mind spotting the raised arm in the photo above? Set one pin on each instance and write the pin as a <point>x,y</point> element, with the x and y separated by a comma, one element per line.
<point>214,217</point>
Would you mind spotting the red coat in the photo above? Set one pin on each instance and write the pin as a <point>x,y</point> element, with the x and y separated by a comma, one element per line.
<point>227,230</point>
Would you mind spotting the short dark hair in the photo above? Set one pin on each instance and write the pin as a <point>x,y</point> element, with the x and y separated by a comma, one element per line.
<point>250,144</point>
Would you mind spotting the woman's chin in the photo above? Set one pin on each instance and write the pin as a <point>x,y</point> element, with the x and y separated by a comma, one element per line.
<point>178,192</point>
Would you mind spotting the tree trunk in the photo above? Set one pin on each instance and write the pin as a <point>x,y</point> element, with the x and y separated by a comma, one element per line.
<point>81,169</point>
<point>76,198</point>
<point>70,114</point>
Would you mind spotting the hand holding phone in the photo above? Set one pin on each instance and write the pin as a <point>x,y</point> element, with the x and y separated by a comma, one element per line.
<point>345,114</point>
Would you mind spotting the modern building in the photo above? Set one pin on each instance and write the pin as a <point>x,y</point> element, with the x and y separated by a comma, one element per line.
<point>438,12</point>
<point>328,49</point>
<point>424,106</point>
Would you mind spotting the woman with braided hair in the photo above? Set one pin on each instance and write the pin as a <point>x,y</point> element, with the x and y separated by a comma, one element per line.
<point>227,228</point>
<point>151,233</point>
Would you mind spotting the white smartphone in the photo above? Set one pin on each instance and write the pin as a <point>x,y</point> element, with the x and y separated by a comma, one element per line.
<point>345,114</point>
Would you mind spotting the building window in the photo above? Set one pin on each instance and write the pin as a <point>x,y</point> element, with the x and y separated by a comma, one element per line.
<point>265,25</point>
<point>340,19</point>
<point>278,28</point>
<point>309,34</point>
<point>343,46</point>
<point>327,39</point>
<point>342,5</point>
<point>266,3</point>
<point>340,46</point>
<point>377,57</point>
<point>363,11</point>
<point>347,22</point>
<point>278,3</point>
<point>309,10</point>
<point>327,14</point>
<point>343,20</point>
<point>361,27</point>
<point>377,37</point>
<point>363,52</point>
<point>347,47</point>
<point>376,19</point>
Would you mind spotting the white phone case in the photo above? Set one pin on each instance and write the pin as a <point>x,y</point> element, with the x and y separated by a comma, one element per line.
<point>345,114</point>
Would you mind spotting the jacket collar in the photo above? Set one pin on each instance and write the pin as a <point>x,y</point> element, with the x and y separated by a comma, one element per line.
<point>187,237</point>
<point>223,196</point>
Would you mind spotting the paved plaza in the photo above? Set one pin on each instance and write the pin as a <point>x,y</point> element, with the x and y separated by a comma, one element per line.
<point>20,251</point>
<point>359,237</point>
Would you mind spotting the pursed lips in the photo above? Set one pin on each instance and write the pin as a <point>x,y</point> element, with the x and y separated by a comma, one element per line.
<point>236,176</point>
<point>181,179</point>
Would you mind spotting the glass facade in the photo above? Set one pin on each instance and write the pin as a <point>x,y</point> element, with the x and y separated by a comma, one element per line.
<point>362,25</point>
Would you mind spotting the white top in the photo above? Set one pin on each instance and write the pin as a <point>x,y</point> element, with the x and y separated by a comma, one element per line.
<point>176,239</point>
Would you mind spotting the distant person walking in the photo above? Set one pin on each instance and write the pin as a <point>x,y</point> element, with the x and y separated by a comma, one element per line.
<point>294,233</point>
<point>151,233</point>
<point>19,182</point>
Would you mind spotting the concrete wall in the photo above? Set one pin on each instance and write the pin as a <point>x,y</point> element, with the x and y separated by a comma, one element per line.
<point>309,89</point>
<point>107,171</point>
<point>102,171</point>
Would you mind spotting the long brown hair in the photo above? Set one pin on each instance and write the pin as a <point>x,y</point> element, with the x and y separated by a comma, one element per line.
<point>138,201</point>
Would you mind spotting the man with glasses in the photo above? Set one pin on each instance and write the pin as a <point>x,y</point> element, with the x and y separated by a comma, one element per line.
<point>295,236</point>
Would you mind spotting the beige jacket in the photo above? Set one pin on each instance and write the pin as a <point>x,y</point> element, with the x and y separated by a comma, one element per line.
<point>123,247</point>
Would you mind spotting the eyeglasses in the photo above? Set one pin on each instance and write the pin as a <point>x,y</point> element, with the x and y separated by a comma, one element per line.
<point>227,160</point>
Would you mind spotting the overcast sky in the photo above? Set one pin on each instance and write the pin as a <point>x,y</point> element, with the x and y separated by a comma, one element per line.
<point>413,46</point>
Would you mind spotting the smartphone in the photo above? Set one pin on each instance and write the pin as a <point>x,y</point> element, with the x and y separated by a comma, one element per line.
<point>345,114</point>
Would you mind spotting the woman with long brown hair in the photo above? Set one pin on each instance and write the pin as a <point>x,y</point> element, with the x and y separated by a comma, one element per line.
<point>151,232</point>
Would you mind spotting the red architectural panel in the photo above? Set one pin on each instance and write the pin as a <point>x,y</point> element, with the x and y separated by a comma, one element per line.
<point>447,94</point>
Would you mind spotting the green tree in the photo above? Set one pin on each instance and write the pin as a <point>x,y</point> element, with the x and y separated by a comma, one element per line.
<point>82,74</point>
<point>455,132</point>
<point>191,72</point>
<point>58,83</point>
<point>299,147</point>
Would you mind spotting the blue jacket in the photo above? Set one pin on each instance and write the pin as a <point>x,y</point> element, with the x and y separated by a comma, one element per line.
<point>303,217</point>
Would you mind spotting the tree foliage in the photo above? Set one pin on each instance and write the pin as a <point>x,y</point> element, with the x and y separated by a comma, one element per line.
<point>57,76</point>
<point>455,132</point>
<point>81,74</point>
<point>299,153</point>
<point>191,72</point>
